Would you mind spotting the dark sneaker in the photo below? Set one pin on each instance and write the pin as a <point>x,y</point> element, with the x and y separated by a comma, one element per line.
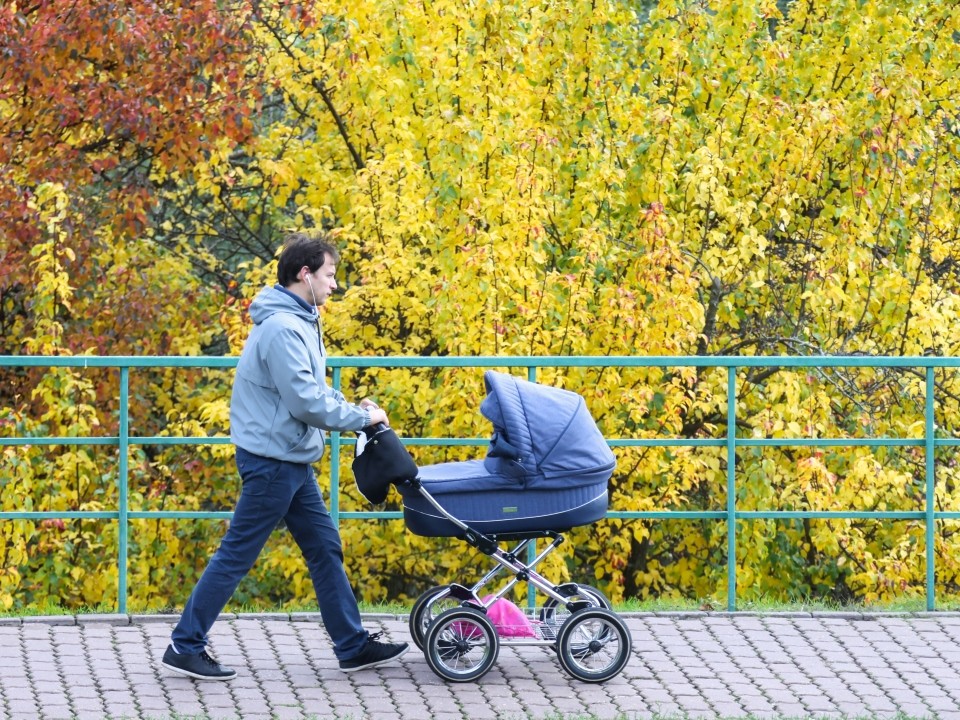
<point>373,654</point>
<point>201,667</point>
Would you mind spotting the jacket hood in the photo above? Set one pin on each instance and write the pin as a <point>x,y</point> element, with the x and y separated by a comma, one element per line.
<point>272,300</point>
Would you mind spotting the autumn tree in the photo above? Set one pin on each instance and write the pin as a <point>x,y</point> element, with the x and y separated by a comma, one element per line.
<point>691,178</point>
<point>98,101</point>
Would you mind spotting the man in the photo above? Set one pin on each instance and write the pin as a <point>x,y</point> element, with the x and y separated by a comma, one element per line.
<point>280,407</point>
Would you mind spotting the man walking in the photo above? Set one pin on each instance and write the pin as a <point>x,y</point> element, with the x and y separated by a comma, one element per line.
<point>279,409</point>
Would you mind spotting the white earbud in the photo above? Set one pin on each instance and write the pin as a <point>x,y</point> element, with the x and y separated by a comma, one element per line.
<point>306,276</point>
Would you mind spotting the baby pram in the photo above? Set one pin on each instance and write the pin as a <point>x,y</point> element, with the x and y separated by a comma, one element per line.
<point>546,471</point>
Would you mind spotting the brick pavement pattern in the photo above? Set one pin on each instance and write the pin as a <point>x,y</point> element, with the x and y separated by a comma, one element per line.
<point>685,665</point>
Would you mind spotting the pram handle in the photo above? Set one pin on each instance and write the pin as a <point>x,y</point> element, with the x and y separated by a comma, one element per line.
<point>371,430</point>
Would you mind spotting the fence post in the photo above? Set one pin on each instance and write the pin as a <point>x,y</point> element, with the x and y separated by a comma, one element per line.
<point>123,527</point>
<point>335,464</point>
<point>731,488</point>
<point>532,548</point>
<point>929,466</point>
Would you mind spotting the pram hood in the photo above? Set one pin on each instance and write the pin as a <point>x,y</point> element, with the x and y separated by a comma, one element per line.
<point>544,437</point>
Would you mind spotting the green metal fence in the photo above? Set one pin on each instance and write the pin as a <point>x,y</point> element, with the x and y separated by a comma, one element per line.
<point>929,442</point>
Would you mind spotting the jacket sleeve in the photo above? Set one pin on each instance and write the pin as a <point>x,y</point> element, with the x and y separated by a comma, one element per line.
<point>306,396</point>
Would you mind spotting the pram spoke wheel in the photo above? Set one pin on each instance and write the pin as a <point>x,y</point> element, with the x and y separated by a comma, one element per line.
<point>428,606</point>
<point>461,644</point>
<point>594,644</point>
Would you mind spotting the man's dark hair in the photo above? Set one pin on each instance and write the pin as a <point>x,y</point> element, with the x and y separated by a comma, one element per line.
<point>301,249</point>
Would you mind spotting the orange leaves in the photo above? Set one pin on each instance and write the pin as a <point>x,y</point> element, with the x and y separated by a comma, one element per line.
<point>89,77</point>
<point>89,89</point>
<point>98,99</point>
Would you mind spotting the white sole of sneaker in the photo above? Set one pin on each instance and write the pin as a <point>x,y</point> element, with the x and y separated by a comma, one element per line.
<point>377,663</point>
<point>195,676</point>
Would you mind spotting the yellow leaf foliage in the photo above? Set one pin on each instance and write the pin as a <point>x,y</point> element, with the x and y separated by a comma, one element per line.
<point>572,179</point>
<point>568,178</point>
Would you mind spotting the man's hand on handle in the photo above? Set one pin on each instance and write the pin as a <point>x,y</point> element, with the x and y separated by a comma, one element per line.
<point>377,415</point>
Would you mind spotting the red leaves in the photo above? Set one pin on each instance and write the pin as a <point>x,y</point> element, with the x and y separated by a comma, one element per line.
<point>95,94</point>
<point>89,80</point>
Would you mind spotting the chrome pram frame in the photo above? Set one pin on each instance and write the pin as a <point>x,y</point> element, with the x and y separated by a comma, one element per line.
<point>450,623</point>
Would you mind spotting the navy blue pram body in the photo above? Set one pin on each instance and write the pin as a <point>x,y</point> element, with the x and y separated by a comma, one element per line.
<point>546,468</point>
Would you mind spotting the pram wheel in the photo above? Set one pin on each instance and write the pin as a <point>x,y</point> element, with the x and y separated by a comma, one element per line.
<point>594,644</point>
<point>430,604</point>
<point>461,644</point>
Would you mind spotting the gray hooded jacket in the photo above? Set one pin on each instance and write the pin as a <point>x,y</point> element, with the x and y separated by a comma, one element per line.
<point>281,403</point>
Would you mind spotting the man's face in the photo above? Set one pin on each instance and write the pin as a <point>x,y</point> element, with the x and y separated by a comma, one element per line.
<point>323,282</point>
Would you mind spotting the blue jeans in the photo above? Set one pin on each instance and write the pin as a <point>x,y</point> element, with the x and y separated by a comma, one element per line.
<point>275,490</point>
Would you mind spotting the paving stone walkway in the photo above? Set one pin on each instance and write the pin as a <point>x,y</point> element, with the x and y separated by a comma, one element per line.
<point>685,665</point>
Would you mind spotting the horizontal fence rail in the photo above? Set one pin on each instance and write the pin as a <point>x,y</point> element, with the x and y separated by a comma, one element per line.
<point>929,515</point>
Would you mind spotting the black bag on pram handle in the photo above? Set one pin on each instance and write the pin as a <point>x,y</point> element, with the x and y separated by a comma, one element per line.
<point>546,468</point>
<point>381,460</point>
